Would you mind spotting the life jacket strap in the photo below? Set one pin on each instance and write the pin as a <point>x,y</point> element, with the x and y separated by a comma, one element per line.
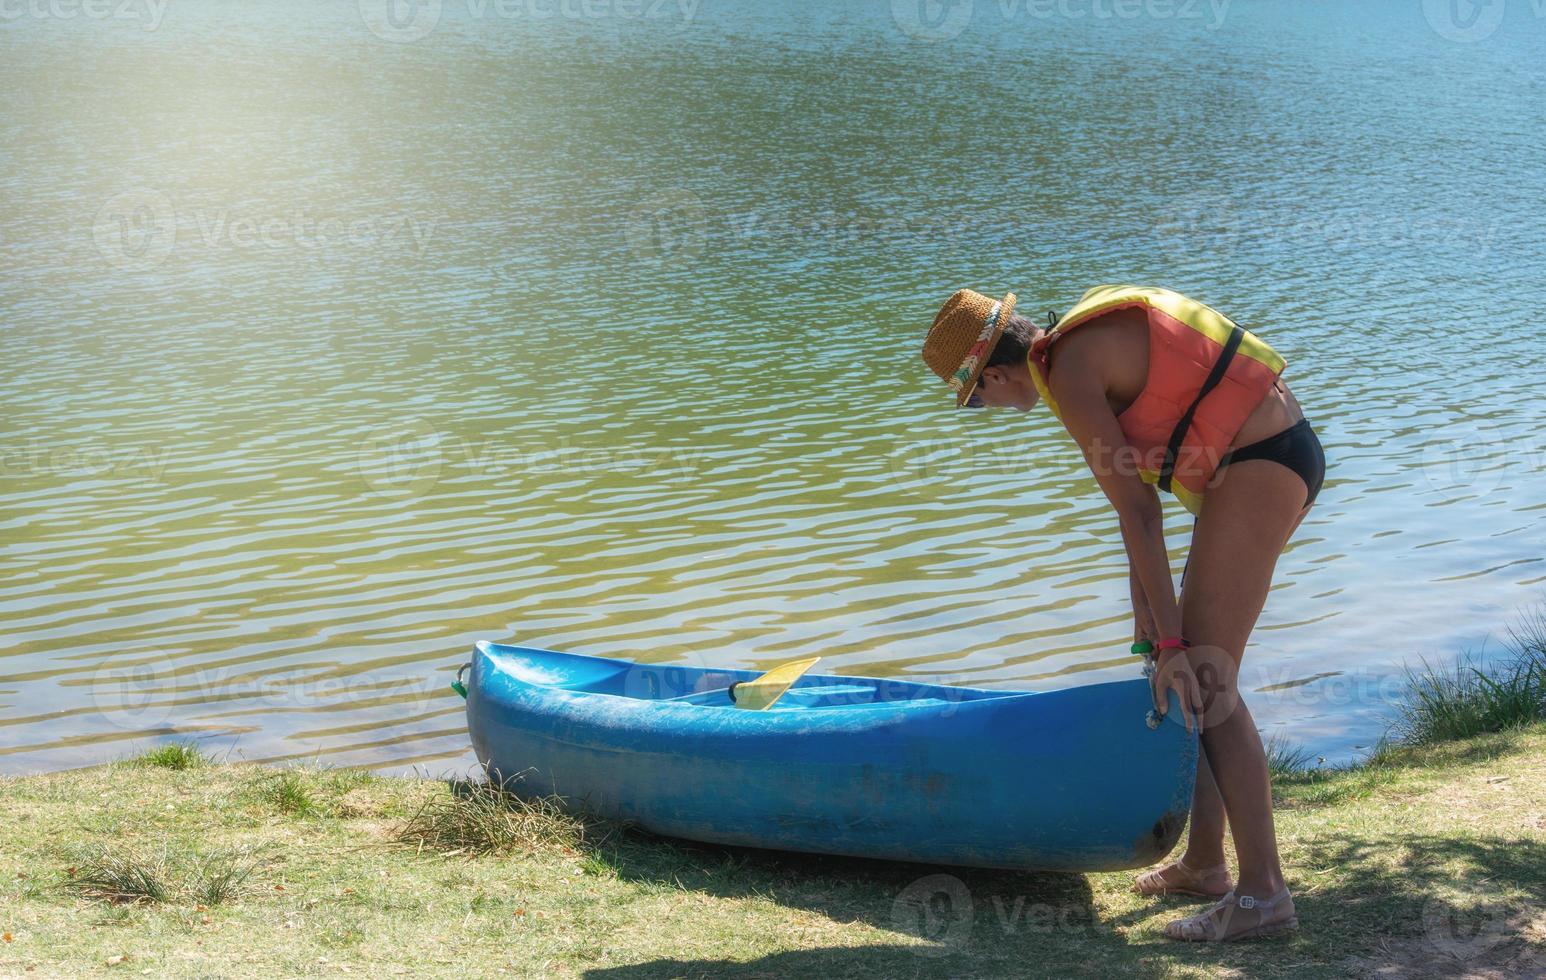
<point>1178,434</point>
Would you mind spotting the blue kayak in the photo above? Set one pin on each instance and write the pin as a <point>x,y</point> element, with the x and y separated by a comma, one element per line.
<point>1071,780</point>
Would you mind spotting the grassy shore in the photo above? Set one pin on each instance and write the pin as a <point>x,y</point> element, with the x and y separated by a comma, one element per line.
<point>1429,862</point>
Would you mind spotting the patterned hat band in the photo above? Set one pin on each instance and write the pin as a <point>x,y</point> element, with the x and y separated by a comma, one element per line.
<point>968,367</point>
<point>962,337</point>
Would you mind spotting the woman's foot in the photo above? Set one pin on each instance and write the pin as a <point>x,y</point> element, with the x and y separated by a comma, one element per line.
<point>1233,919</point>
<point>1180,879</point>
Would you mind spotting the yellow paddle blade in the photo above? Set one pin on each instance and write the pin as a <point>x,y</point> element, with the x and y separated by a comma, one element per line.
<point>760,693</point>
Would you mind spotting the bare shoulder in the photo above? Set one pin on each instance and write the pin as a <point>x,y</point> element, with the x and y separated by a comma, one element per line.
<point>1082,356</point>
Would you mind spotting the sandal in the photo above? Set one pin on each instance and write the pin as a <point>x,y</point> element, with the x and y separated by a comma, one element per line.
<point>1223,923</point>
<point>1154,882</point>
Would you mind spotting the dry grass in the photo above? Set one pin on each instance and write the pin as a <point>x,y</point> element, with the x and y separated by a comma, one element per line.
<point>489,819</point>
<point>1431,864</point>
<point>135,874</point>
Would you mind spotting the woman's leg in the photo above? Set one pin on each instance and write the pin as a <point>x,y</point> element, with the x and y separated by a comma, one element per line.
<point>1249,516</point>
<point>1201,869</point>
<point>1205,831</point>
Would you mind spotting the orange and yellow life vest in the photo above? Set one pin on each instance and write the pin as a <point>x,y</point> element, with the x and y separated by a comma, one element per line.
<point>1206,374</point>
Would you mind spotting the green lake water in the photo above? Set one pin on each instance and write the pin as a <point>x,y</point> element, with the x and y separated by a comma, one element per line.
<point>337,336</point>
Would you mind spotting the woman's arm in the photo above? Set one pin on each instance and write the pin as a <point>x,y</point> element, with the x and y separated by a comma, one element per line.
<point>1090,421</point>
<point>1143,618</point>
<point>1079,388</point>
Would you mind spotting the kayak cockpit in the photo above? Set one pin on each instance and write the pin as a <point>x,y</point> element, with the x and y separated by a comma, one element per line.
<point>710,688</point>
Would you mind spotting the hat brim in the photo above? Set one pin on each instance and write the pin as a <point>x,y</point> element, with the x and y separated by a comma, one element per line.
<point>1006,309</point>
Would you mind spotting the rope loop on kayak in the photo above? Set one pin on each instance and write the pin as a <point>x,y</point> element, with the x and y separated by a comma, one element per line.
<point>457,684</point>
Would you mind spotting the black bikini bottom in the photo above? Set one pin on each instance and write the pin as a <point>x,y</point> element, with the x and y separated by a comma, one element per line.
<point>1296,447</point>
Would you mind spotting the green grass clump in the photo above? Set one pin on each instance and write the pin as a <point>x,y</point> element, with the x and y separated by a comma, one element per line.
<point>131,874</point>
<point>177,756</point>
<point>127,876</point>
<point>1466,699</point>
<point>484,818</point>
<point>1461,701</point>
<point>223,876</point>
<point>288,791</point>
<point>1285,757</point>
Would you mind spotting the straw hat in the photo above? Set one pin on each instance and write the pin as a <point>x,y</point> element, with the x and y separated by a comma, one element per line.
<point>963,337</point>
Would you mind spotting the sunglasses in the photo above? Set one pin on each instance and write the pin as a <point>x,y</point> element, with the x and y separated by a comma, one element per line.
<point>975,399</point>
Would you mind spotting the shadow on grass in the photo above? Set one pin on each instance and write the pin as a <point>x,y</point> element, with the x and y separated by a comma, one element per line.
<point>817,964</point>
<point>1396,905</point>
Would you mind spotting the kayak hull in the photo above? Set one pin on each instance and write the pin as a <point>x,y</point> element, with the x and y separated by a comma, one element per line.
<point>1071,780</point>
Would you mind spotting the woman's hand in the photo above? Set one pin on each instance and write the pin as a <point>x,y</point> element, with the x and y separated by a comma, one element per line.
<point>1173,672</point>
